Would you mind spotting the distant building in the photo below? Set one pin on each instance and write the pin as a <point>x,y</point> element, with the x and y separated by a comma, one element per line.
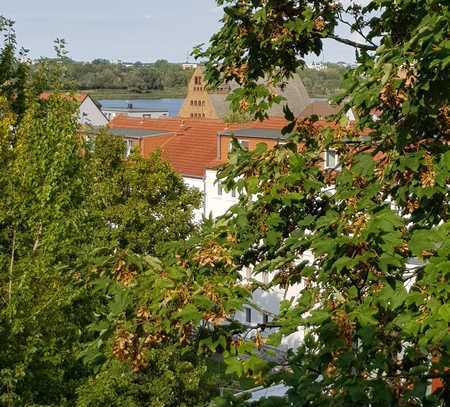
<point>131,111</point>
<point>203,103</point>
<point>89,112</point>
<point>317,66</point>
<point>188,65</point>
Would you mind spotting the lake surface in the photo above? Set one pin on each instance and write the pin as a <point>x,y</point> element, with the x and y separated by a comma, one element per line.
<point>173,106</point>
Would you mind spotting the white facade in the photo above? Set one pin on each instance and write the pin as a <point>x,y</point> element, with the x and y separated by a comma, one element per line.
<point>90,114</point>
<point>217,201</point>
<point>111,113</point>
<point>188,65</point>
<point>267,302</point>
<point>198,183</point>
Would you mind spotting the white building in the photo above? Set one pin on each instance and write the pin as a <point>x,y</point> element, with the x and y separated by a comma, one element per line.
<point>131,111</point>
<point>89,112</point>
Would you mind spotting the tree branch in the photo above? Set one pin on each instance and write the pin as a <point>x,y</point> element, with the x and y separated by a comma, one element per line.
<point>351,43</point>
<point>11,267</point>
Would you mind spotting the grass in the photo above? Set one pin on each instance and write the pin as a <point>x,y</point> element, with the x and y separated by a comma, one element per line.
<point>125,94</point>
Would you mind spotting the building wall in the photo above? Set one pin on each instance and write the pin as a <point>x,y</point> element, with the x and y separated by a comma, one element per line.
<point>197,103</point>
<point>90,114</point>
<point>111,114</point>
<point>216,204</point>
<point>199,184</point>
<point>252,143</point>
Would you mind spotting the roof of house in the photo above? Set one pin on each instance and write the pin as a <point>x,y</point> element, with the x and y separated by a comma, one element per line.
<point>133,110</point>
<point>134,133</point>
<point>79,97</point>
<point>256,133</point>
<point>294,92</point>
<point>321,108</point>
<point>189,145</point>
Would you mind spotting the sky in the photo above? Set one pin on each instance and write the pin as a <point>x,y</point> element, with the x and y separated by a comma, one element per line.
<point>133,30</point>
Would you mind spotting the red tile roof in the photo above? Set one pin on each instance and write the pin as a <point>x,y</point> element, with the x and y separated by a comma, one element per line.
<point>194,145</point>
<point>79,97</point>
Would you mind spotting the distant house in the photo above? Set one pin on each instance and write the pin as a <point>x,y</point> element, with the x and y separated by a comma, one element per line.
<point>188,65</point>
<point>89,112</point>
<point>203,103</point>
<point>131,111</point>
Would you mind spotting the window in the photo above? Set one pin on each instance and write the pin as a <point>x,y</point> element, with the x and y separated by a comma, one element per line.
<point>248,314</point>
<point>130,144</point>
<point>265,318</point>
<point>233,193</point>
<point>243,143</point>
<point>331,159</point>
<point>192,114</point>
<point>192,103</point>
<point>219,188</point>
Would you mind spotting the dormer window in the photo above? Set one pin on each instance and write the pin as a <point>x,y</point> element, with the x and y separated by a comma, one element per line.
<point>331,159</point>
<point>130,144</point>
<point>243,143</point>
<point>248,314</point>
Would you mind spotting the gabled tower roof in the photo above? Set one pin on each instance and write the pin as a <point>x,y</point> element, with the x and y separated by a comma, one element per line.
<point>201,103</point>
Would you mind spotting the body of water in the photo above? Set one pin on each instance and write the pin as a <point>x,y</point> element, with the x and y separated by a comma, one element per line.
<point>173,106</point>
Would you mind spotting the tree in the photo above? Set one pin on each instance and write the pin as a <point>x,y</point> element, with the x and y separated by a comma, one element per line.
<point>13,70</point>
<point>70,208</point>
<point>375,300</point>
<point>141,204</point>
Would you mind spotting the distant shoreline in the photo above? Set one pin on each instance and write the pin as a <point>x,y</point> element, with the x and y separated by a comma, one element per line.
<point>124,94</point>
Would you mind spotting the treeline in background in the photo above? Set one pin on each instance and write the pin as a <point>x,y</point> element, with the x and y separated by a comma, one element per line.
<point>162,78</point>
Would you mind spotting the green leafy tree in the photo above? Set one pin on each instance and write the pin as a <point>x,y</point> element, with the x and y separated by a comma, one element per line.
<point>374,306</point>
<point>72,213</point>
<point>141,204</point>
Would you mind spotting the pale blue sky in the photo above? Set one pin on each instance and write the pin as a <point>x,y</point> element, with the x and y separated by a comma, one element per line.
<point>132,30</point>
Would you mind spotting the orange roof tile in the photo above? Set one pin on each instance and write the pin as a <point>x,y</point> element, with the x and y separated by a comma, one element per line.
<point>193,148</point>
<point>79,97</point>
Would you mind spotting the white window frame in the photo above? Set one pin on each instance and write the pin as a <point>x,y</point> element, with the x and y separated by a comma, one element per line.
<point>130,144</point>
<point>336,159</point>
<point>248,314</point>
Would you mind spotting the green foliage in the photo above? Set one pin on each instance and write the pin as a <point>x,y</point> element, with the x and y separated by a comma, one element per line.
<point>325,82</point>
<point>146,202</point>
<point>138,78</point>
<point>374,304</point>
<point>13,71</point>
<point>73,214</point>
